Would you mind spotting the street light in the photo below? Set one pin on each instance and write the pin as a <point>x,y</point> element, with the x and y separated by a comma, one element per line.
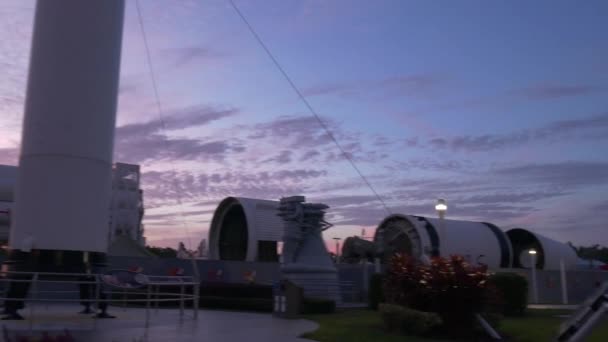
<point>337,249</point>
<point>441,207</point>
<point>532,253</point>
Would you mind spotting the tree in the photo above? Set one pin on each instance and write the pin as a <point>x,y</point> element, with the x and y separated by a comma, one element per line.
<point>162,252</point>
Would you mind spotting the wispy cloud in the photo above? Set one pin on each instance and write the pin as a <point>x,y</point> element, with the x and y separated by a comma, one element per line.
<point>9,155</point>
<point>410,85</point>
<point>138,142</point>
<point>189,186</point>
<point>190,55</point>
<point>555,91</point>
<point>594,127</point>
<point>563,174</point>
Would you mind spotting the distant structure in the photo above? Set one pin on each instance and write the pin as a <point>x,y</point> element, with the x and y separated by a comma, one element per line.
<point>8,177</point>
<point>127,206</point>
<point>201,251</point>
<point>125,213</point>
<point>356,249</point>
<point>183,252</point>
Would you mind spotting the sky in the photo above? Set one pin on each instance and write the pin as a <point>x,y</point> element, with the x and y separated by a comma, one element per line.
<point>500,107</point>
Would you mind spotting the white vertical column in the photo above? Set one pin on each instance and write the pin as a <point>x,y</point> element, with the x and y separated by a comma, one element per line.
<point>63,185</point>
<point>563,282</point>
<point>534,282</point>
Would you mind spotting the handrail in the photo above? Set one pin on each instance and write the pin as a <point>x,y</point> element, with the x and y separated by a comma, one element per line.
<point>150,289</point>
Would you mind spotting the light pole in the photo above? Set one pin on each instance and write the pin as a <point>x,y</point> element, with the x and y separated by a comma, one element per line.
<point>532,253</point>
<point>337,249</point>
<point>441,207</point>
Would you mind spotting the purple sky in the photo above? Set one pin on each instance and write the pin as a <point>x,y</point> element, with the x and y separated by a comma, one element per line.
<point>499,107</point>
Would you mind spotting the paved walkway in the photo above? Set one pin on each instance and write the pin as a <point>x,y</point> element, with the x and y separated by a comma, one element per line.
<point>165,325</point>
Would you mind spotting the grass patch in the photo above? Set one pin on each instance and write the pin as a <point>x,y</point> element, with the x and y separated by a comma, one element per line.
<point>366,326</point>
<point>353,326</point>
<point>542,325</point>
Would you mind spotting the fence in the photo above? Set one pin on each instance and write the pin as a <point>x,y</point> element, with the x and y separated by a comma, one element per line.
<point>150,293</point>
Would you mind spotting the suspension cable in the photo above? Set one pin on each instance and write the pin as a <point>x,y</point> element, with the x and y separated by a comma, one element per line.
<point>308,105</point>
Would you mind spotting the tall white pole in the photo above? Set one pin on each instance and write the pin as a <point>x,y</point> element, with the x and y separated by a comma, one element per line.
<point>337,250</point>
<point>441,207</point>
<point>63,186</point>
<point>534,283</point>
<point>562,271</point>
<point>442,238</point>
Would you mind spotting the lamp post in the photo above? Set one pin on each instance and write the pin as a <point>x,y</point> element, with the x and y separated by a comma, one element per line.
<point>441,207</point>
<point>532,253</point>
<point>337,249</point>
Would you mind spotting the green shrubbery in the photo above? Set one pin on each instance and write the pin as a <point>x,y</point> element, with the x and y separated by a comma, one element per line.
<point>513,290</point>
<point>376,291</point>
<point>408,321</point>
<point>317,306</point>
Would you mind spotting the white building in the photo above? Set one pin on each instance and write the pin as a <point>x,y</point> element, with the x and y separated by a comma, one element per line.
<point>126,208</point>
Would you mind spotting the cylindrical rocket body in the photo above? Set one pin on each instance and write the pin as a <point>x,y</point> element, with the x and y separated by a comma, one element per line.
<point>64,179</point>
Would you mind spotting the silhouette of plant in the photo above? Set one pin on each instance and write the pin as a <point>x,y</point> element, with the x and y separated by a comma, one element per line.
<point>451,287</point>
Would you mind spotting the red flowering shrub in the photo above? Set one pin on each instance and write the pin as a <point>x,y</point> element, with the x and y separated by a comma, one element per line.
<point>450,287</point>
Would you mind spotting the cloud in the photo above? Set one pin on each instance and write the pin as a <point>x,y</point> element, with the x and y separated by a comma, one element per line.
<point>431,165</point>
<point>138,142</point>
<point>171,216</point>
<point>9,155</point>
<point>188,186</point>
<point>589,128</point>
<point>309,155</point>
<point>602,207</point>
<point>294,131</point>
<point>328,89</point>
<point>284,157</point>
<point>342,201</point>
<point>555,91</point>
<point>411,85</point>
<point>512,197</point>
<point>192,54</point>
<point>563,174</point>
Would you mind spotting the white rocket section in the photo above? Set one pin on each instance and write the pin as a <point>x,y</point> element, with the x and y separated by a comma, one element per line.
<point>262,224</point>
<point>477,242</point>
<point>68,129</point>
<point>549,253</point>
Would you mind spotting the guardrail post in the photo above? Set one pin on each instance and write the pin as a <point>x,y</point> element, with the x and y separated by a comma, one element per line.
<point>32,300</point>
<point>156,296</point>
<point>149,294</point>
<point>97,296</point>
<point>195,292</point>
<point>181,299</point>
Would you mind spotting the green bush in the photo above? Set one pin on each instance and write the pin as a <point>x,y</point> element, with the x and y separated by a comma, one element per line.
<point>376,291</point>
<point>408,321</point>
<point>513,289</point>
<point>312,306</point>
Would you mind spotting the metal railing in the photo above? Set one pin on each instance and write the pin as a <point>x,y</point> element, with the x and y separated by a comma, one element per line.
<point>151,291</point>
